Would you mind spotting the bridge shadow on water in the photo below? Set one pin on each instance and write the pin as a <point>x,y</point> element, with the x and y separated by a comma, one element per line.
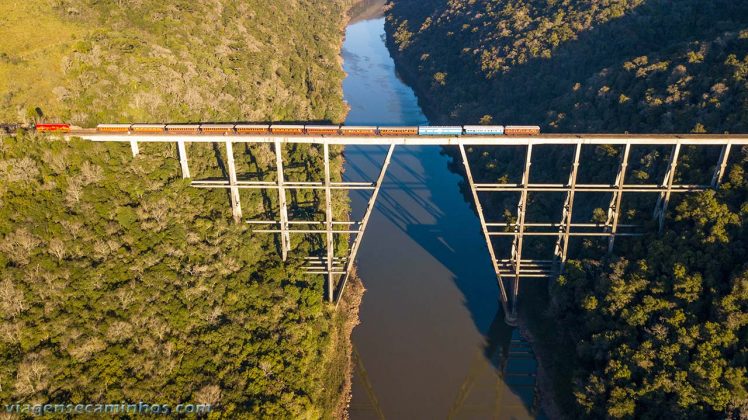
<point>455,240</point>
<point>421,197</point>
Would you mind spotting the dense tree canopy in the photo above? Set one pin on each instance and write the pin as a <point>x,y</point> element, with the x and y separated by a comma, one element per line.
<point>660,329</point>
<point>120,281</point>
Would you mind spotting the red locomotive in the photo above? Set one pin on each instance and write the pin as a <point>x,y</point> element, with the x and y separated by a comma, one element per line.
<point>58,128</point>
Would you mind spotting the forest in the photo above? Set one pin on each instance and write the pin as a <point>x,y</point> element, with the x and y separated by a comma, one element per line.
<point>658,328</point>
<point>120,281</point>
<point>614,66</point>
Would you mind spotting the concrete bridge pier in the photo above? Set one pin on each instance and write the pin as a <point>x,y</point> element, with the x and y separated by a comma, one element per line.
<point>183,159</point>
<point>236,205</point>
<point>134,147</point>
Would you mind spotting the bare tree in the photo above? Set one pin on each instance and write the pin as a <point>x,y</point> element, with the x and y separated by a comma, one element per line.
<point>57,249</point>
<point>32,376</point>
<point>11,299</point>
<point>74,191</point>
<point>91,173</point>
<point>209,394</point>
<point>72,227</point>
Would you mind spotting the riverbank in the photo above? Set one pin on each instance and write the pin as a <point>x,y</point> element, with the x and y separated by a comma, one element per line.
<point>554,357</point>
<point>339,364</point>
<point>366,9</point>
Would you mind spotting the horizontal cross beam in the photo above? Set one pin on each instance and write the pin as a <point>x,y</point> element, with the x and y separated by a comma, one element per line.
<point>530,233</point>
<point>301,231</point>
<point>288,186</point>
<point>552,224</point>
<point>299,222</point>
<point>592,188</point>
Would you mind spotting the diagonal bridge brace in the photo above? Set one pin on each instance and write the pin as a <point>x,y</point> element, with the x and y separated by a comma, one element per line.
<point>664,198</point>
<point>561,250</point>
<point>519,230</point>
<point>486,234</point>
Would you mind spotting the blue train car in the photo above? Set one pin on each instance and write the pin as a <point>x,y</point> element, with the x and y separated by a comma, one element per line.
<point>484,130</point>
<point>439,130</point>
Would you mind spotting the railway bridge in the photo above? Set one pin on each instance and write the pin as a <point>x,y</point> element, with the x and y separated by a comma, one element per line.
<point>512,265</point>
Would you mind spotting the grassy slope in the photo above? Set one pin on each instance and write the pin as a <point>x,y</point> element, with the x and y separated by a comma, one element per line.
<point>25,28</point>
<point>250,60</point>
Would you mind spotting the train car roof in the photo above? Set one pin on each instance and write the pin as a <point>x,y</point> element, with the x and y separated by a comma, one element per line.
<point>183,126</point>
<point>482,127</point>
<point>217,125</point>
<point>396,127</point>
<point>524,126</point>
<point>149,125</point>
<point>287,125</point>
<point>114,125</point>
<point>440,126</point>
<point>358,127</point>
<point>253,126</point>
<point>321,127</point>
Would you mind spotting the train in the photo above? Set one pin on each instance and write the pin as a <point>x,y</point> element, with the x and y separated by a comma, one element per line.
<point>310,130</point>
<point>64,128</point>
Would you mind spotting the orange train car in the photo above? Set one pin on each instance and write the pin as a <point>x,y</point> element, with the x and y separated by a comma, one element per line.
<point>148,128</point>
<point>398,131</point>
<point>113,128</point>
<point>58,128</point>
<point>252,128</point>
<point>522,130</point>
<point>322,129</point>
<point>286,129</point>
<point>217,128</point>
<point>183,129</point>
<point>358,130</point>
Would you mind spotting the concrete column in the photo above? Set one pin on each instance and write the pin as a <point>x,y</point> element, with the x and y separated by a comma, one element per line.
<point>183,159</point>
<point>614,210</point>
<point>236,206</point>
<point>285,235</point>
<point>328,224</point>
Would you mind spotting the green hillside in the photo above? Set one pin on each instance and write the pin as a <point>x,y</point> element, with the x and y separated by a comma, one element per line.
<point>86,61</point>
<point>119,281</point>
<point>659,329</point>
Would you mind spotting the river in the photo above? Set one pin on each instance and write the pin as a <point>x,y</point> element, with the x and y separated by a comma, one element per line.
<point>432,338</point>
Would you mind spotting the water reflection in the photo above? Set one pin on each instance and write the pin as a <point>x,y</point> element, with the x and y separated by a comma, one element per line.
<point>431,334</point>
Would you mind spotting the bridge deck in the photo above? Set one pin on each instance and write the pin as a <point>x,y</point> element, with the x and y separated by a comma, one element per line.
<point>570,139</point>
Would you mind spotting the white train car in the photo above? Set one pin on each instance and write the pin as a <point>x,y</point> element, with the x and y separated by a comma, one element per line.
<point>439,130</point>
<point>484,130</point>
